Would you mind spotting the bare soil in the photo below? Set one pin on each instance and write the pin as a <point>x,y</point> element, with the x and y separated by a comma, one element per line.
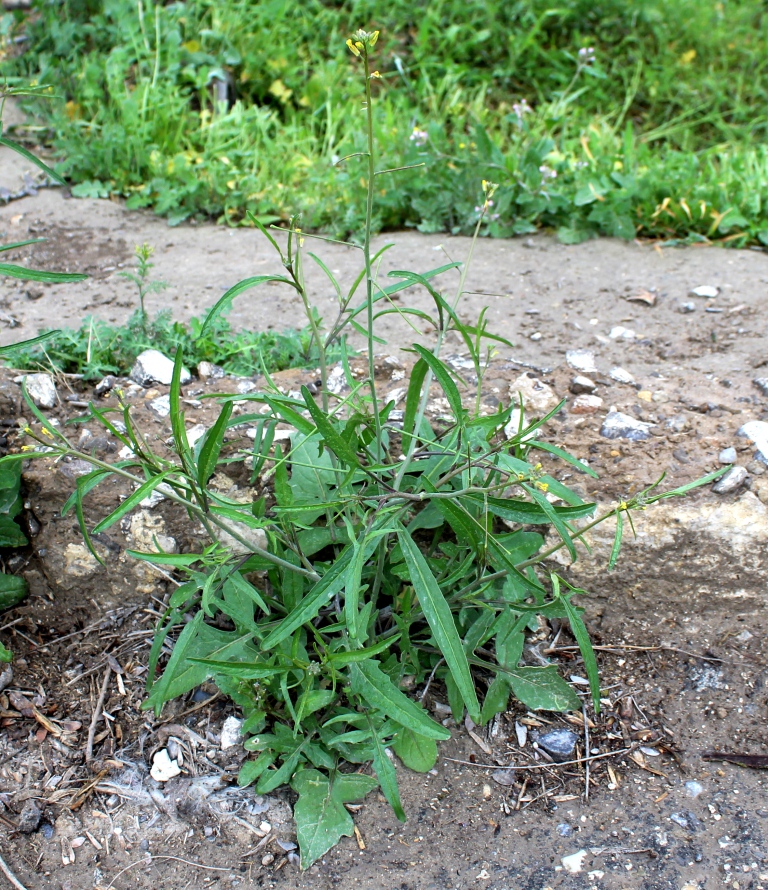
<point>681,622</point>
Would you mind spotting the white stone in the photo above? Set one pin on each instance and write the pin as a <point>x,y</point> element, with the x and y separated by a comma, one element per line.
<point>231,733</point>
<point>574,863</point>
<point>586,404</point>
<point>246,386</point>
<point>621,426</point>
<point>161,407</point>
<point>41,389</point>
<point>209,371</point>
<point>581,360</point>
<point>79,561</point>
<point>538,397</point>
<point>163,768</point>
<point>621,376</point>
<point>707,291</point>
<point>621,333</point>
<point>581,384</point>
<point>757,431</point>
<point>152,366</point>
<point>195,433</point>
<point>731,481</point>
<point>337,380</point>
<point>727,456</point>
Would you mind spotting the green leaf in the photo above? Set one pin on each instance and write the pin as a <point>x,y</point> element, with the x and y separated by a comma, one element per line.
<point>556,519</point>
<point>5,654</point>
<point>386,773</point>
<point>377,690</point>
<point>332,438</point>
<point>19,149</point>
<point>211,447</point>
<point>417,752</point>
<point>542,688</point>
<point>275,778</point>
<point>225,300</point>
<point>25,344</point>
<point>585,644</point>
<point>13,589</point>
<point>320,814</point>
<point>526,513</point>
<point>440,619</point>
<point>324,591</point>
<point>132,500</point>
<point>496,699</point>
<point>445,380</point>
<point>13,271</point>
<point>412,399</point>
<point>617,540</point>
<point>251,770</point>
<point>10,533</point>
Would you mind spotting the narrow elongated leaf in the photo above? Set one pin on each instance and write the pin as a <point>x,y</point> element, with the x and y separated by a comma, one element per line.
<point>585,646</point>
<point>386,774</point>
<point>412,399</point>
<point>526,513</point>
<point>555,518</point>
<point>131,501</point>
<point>211,448</point>
<point>568,458</point>
<point>25,344</point>
<point>23,274</point>
<point>617,540</point>
<point>376,689</point>
<point>445,380</point>
<point>19,149</point>
<point>440,619</point>
<point>332,438</point>
<point>324,591</point>
<point>339,659</point>
<point>226,299</point>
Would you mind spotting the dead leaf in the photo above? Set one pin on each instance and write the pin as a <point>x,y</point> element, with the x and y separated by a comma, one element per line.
<point>643,296</point>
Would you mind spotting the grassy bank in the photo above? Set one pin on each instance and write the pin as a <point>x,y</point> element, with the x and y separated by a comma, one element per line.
<point>211,108</point>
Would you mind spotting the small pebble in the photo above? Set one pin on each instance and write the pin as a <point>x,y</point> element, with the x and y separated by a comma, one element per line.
<point>564,829</point>
<point>619,332</point>
<point>536,336</point>
<point>581,384</point>
<point>621,376</point>
<point>694,789</point>
<point>29,818</point>
<point>731,481</point>
<point>762,384</point>
<point>231,733</point>
<point>559,744</point>
<point>727,456</point>
<point>685,308</point>
<point>267,859</point>
<point>586,404</point>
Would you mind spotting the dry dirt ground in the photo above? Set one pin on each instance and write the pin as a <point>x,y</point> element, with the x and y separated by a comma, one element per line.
<point>681,622</point>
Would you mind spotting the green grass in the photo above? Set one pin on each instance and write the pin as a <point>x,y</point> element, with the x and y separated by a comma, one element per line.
<point>663,135</point>
<point>97,348</point>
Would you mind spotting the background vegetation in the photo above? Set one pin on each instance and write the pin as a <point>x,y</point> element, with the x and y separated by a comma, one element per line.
<point>211,108</point>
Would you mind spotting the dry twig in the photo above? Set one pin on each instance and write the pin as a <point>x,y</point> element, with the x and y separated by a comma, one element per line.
<point>97,713</point>
<point>14,881</point>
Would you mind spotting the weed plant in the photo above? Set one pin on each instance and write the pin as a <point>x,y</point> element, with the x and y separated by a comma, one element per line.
<point>392,553</point>
<point>97,348</point>
<point>201,108</point>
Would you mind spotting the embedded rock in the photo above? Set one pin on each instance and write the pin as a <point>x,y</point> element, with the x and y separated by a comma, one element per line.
<point>586,404</point>
<point>581,360</point>
<point>152,366</point>
<point>757,431</point>
<point>41,389</point>
<point>731,481</point>
<point>621,426</point>
<point>538,398</point>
